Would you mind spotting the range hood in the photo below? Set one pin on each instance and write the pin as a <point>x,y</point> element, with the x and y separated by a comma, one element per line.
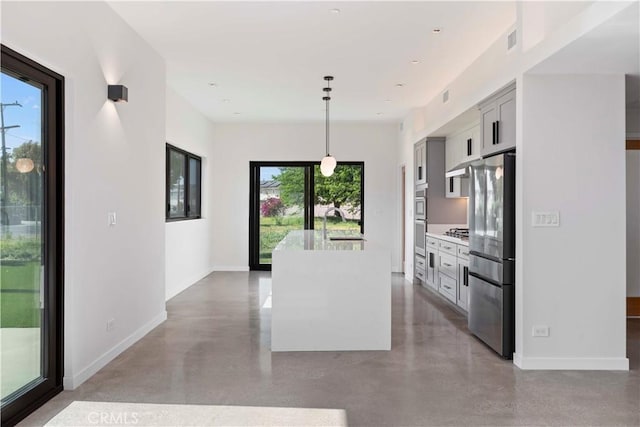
<point>461,169</point>
<point>459,172</point>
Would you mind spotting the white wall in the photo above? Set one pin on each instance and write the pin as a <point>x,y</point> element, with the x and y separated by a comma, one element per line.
<point>633,205</point>
<point>189,248</point>
<point>573,135</point>
<point>114,158</point>
<point>633,223</point>
<point>238,144</point>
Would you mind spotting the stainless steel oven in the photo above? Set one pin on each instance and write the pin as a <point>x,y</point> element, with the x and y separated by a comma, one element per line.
<point>420,204</point>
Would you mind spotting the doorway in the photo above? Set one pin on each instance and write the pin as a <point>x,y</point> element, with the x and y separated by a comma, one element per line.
<point>31,234</point>
<point>287,196</point>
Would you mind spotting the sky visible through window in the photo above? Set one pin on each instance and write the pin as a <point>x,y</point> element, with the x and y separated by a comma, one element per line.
<point>267,173</point>
<point>27,116</point>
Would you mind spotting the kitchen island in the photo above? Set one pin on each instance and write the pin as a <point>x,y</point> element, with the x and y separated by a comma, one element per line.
<point>330,295</point>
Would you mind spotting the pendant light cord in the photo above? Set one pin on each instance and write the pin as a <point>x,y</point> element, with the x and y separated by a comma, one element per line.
<point>327,125</point>
<point>327,98</point>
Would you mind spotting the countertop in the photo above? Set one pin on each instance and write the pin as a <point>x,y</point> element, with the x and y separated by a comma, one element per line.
<point>311,240</point>
<point>449,239</point>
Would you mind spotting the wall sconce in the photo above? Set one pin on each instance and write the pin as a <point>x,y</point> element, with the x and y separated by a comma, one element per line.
<point>118,93</point>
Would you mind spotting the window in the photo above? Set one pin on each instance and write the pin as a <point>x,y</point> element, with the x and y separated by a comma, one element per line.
<point>184,173</point>
<point>288,196</point>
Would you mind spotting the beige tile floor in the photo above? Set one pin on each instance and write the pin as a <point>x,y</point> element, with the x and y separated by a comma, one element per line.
<point>214,350</point>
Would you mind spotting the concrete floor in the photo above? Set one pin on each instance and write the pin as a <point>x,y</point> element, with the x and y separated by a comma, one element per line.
<point>214,349</point>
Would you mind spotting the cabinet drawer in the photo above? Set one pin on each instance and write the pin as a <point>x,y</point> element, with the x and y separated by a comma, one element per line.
<point>421,263</point>
<point>463,252</point>
<point>432,243</point>
<point>448,247</point>
<point>448,287</point>
<point>448,265</point>
<point>421,276</point>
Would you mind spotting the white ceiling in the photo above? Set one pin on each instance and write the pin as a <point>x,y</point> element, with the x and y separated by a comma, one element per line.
<point>268,58</point>
<point>613,47</point>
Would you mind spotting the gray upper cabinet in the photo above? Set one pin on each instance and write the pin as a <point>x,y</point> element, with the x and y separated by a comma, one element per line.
<point>420,163</point>
<point>498,121</point>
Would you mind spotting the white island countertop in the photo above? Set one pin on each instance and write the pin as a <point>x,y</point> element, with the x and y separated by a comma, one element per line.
<point>311,240</point>
<point>330,295</point>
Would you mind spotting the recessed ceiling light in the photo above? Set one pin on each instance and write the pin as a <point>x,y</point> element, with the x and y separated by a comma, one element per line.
<point>378,114</point>
<point>236,113</point>
<point>335,11</point>
<point>415,61</point>
<point>226,100</point>
<point>437,30</point>
<point>399,84</point>
<point>212,84</point>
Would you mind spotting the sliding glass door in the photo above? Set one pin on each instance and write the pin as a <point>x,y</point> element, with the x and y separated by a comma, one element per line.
<point>288,196</point>
<point>30,235</point>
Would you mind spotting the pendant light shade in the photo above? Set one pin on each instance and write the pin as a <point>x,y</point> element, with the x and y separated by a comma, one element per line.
<point>328,163</point>
<point>24,165</point>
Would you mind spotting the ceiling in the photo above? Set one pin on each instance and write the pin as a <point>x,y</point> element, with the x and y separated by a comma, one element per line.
<point>267,59</point>
<point>610,48</point>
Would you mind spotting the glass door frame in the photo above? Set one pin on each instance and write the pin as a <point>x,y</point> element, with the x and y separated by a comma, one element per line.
<point>309,195</point>
<point>254,206</point>
<point>33,395</point>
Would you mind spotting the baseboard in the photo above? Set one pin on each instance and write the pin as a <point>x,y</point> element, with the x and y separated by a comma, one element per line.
<point>230,268</point>
<point>633,306</point>
<point>187,283</point>
<point>408,277</point>
<point>70,383</point>
<point>571,363</point>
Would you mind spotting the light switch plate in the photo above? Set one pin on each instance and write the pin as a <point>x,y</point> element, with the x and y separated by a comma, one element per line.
<point>111,219</point>
<point>545,219</point>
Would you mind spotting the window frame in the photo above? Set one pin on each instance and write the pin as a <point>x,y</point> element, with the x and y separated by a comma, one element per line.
<point>187,184</point>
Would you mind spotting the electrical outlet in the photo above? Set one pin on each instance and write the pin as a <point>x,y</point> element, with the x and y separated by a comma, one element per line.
<point>540,331</point>
<point>111,323</point>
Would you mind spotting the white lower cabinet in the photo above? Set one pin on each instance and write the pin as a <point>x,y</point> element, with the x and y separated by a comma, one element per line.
<point>446,268</point>
<point>448,287</point>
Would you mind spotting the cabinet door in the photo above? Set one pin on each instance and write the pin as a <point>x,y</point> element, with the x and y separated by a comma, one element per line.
<point>451,152</point>
<point>452,187</point>
<point>420,162</point>
<point>487,128</point>
<point>432,269</point>
<point>463,284</point>
<point>447,287</point>
<point>506,117</point>
<point>475,136</point>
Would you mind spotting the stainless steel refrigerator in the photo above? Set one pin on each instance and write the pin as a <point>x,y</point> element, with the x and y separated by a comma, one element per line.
<point>492,252</point>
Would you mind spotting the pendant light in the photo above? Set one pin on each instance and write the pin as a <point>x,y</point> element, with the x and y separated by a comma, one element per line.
<point>328,163</point>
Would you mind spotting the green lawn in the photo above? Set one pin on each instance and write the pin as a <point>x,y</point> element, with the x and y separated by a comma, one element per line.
<point>274,229</point>
<point>20,295</point>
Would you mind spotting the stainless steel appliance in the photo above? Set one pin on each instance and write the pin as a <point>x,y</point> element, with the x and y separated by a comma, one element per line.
<point>420,216</point>
<point>420,237</point>
<point>492,252</point>
<point>460,233</point>
<point>420,204</point>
